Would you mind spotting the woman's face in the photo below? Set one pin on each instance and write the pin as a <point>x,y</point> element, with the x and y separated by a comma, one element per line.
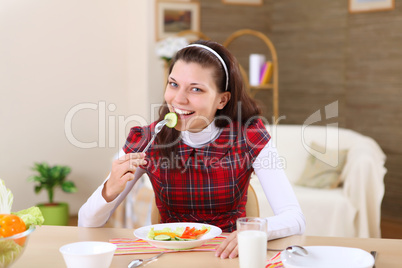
<point>192,94</point>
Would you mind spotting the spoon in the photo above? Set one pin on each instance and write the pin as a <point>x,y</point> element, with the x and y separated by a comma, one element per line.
<point>299,250</point>
<point>138,262</point>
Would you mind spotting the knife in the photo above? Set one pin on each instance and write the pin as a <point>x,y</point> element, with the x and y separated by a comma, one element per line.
<point>374,254</point>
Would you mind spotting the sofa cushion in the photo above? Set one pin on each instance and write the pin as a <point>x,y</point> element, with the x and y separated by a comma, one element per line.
<point>323,169</point>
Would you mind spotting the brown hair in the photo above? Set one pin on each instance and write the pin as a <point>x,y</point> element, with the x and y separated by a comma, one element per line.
<point>240,103</point>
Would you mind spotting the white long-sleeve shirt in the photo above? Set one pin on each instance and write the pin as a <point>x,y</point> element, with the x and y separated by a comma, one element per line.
<point>288,219</point>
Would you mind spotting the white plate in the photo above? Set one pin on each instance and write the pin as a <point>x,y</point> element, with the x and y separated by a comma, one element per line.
<point>329,257</point>
<point>142,233</point>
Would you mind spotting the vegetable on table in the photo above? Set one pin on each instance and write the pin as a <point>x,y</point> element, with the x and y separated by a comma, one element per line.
<point>6,198</point>
<point>170,234</point>
<point>192,233</point>
<point>31,216</point>
<point>13,223</point>
<point>9,251</point>
<point>10,225</point>
<point>180,234</point>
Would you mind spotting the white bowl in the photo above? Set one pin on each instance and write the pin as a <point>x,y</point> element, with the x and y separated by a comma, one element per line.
<point>328,257</point>
<point>88,254</point>
<point>142,233</point>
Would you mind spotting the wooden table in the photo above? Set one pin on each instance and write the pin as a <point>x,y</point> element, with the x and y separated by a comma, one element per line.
<point>44,243</point>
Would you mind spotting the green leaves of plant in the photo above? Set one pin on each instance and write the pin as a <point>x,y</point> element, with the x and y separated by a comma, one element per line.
<point>50,177</point>
<point>69,187</point>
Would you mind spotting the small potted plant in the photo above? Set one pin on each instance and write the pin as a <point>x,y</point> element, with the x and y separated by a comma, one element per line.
<point>49,178</point>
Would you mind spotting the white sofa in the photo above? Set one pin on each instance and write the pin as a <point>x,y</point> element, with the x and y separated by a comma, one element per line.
<point>351,210</point>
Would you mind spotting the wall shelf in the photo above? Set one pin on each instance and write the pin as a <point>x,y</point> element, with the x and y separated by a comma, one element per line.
<point>253,90</point>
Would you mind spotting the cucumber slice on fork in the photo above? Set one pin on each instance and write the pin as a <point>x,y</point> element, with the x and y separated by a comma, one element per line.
<point>171,119</point>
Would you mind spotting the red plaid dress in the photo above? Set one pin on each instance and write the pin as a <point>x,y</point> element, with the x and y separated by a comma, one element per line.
<point>207,184</point>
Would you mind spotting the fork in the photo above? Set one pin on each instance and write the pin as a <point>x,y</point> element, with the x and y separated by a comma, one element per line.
<point>139,262</point>
<point>374,254</point>
<point>158,128</point>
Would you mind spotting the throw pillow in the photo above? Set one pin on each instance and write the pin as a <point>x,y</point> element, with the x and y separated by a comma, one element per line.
<point>318,173</point>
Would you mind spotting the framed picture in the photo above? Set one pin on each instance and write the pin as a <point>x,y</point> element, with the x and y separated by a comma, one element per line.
<point>243,2</point>
<point>358,6</point>
<point>174,17</point>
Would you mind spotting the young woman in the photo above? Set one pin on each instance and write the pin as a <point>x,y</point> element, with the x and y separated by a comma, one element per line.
<point>200,170</point>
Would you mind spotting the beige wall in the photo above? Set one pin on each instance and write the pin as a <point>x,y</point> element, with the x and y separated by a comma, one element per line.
<point>57,56</point>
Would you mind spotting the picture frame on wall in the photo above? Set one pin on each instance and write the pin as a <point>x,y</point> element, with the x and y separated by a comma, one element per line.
<point>243,2</point>
<point>175,17</point>
<point>359,6</point>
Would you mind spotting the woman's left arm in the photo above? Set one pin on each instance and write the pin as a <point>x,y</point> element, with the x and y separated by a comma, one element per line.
<point>289,218</point>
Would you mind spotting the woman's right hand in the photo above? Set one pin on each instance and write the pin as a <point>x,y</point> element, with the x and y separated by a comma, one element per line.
<point>123,170</point>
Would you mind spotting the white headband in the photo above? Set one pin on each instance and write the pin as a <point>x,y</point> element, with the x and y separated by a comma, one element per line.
<point>219,58</point>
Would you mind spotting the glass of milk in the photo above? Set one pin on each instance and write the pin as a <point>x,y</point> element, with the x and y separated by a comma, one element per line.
<point>252,242</point>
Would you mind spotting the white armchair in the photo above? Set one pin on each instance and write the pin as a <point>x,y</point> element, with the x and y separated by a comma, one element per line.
<point>351,210</point>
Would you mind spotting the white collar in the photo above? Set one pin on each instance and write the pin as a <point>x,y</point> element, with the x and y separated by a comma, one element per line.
<point>199,139</point>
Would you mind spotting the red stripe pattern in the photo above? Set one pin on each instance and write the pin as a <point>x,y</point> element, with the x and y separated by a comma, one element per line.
<point>126,246</point>
<point>275,262</point>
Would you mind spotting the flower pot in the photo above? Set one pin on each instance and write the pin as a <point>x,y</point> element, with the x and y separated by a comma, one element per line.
<point>55,214</point>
